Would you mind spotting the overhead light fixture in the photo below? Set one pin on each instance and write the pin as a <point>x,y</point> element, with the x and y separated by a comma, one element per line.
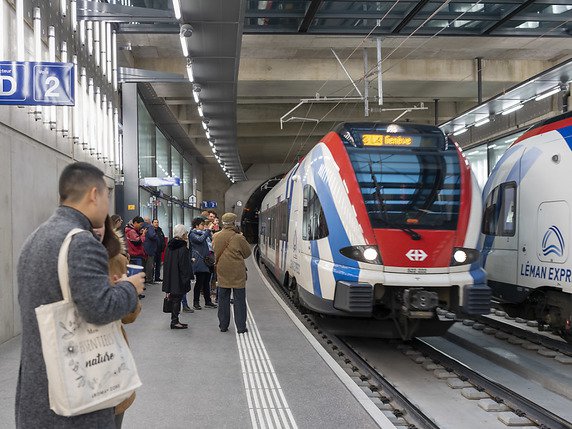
<point>196,97</point>
<point>184,46</point>
<point>482,121</point>
<point>190,74</point>
<point>208,134</point>
<point>460,131</point>
<point>511,109</point>
<point>177,9</point>
<point>548,93</point>
<point>205,126</point>
<point>200,109</point>
<point>211,142</point>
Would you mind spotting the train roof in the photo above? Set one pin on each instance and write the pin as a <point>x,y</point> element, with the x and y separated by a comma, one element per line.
<point>554,123</point>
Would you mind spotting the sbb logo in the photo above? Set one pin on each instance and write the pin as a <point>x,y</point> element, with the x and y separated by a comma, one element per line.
<point>416,255</point>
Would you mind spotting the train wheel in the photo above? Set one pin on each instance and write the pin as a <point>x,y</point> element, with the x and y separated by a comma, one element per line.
<point>295,296</point>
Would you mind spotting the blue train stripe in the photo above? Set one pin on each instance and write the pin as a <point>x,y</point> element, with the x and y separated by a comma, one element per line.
<point>314,267</point>
<point>566,134</point>
<point>337,238</point>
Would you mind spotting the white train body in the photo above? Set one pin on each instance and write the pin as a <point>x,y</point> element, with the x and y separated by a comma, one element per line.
<point>322,211</point>
<point>527,224</point>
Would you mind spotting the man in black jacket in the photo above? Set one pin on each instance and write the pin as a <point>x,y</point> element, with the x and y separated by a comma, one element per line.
<point>160,248</point>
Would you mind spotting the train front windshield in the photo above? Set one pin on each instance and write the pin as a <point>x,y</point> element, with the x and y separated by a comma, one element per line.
<point>407,180</point>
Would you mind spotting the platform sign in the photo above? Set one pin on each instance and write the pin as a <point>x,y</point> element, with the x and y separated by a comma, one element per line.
<point>37,83</point>
<point>209,204</point>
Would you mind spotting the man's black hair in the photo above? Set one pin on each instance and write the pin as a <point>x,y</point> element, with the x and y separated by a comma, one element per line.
<point>138,219</point>
<point>77,179</point>
<point>197,221</point>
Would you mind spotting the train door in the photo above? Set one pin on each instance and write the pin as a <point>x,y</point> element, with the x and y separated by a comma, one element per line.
<point>500,226</point>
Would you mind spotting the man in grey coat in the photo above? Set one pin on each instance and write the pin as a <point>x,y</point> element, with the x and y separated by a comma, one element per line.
<point>84,199</point>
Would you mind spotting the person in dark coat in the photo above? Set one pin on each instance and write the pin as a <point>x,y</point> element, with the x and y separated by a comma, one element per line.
<point>177,273</point>
<point>150,245</point>
<point>84,199</point>
<point>160,248</point>
<point>200,246</point>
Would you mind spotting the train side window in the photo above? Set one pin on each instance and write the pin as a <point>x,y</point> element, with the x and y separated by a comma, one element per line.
<point>314,226</point>
<point>500,211</point>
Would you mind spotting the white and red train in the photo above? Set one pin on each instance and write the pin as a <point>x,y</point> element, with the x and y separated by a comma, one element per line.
<point>379,223</point>
<point>527,225</point>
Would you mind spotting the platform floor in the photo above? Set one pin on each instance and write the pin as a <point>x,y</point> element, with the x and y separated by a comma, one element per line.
<point>202,378</point>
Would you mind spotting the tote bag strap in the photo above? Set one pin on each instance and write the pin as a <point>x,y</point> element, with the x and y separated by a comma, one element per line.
<point>63,274</point>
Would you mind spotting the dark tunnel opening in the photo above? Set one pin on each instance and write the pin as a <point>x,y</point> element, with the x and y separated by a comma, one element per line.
<point>251,210</point>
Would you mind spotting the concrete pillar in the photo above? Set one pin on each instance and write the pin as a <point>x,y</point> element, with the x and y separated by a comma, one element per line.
<point>128,195</point>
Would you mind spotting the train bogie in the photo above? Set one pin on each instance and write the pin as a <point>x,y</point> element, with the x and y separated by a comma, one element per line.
<point>378,223</point>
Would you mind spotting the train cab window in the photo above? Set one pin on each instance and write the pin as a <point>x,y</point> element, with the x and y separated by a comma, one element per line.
<point>314,224</point>
<point>500,211</point>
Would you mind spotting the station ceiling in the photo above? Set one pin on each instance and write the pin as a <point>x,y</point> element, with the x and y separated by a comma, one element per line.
<point>287,53</point>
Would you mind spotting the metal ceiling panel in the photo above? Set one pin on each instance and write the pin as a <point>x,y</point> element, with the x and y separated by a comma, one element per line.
<point>451,18</point>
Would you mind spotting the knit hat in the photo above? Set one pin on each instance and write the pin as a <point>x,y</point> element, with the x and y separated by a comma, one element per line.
<point>228,218</point>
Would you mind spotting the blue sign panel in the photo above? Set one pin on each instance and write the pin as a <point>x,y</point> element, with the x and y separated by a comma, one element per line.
<point>37,84</point>
<point>209,204</point>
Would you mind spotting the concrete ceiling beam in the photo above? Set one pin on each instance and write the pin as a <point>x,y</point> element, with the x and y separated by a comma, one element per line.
<point>439,69</point>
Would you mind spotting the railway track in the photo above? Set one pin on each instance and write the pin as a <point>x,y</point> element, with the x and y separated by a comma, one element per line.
<point>521,406</point>
<point>396,404</point>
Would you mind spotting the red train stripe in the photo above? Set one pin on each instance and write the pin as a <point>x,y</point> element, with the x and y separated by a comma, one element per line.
<point>334,143</point>
<point>466,199</point>
<point>544,129</point>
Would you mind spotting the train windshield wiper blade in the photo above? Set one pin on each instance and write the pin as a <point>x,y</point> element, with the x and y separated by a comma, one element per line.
<point>412,233</point>
<point>381,206</point>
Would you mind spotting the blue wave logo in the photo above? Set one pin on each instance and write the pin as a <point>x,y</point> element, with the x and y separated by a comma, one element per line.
<point>553,242</point>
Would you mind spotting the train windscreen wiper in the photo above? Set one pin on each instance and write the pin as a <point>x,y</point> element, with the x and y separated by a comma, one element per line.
<point>381,206</point>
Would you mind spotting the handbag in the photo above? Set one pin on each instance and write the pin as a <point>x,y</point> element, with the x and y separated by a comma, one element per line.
<point>209,260</point>
<point>167,304</point>
<point>89,367</point>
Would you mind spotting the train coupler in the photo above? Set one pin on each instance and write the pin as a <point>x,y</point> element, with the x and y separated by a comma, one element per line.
<point>419,303</point>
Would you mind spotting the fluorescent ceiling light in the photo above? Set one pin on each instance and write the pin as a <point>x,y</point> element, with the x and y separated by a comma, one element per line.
<point>482,122</point>
<point>184,46</point>
<point>548,93</point>
<point>200,109</point>
<point>196,97</point>
<point>177,9</point>
<point>190,74</point>
<point>512,109</point>
<point>205,126</point>
<point>460,131</point>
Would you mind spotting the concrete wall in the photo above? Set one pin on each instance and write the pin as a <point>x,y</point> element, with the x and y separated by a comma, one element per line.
<point>257,174</point>
<point>215,185</point>
<point>31,162</point>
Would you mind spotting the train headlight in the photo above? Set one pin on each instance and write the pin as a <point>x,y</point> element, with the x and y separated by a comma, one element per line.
<point>460,256</point>
<point>463,256</point>
<point>369,254</point>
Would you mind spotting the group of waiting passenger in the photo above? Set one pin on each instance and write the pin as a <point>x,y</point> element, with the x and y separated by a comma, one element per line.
<point>194,255</point>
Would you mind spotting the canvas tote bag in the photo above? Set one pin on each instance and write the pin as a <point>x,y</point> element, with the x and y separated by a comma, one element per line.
<point>89,367</point>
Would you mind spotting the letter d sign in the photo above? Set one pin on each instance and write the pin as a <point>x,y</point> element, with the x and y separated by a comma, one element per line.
<point>8,85</point>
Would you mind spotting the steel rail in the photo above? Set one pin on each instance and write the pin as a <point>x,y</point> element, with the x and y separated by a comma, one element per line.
<point>521,405</point>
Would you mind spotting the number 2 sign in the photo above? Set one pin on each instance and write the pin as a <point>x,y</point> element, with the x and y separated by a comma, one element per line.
<point>35,83</point>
